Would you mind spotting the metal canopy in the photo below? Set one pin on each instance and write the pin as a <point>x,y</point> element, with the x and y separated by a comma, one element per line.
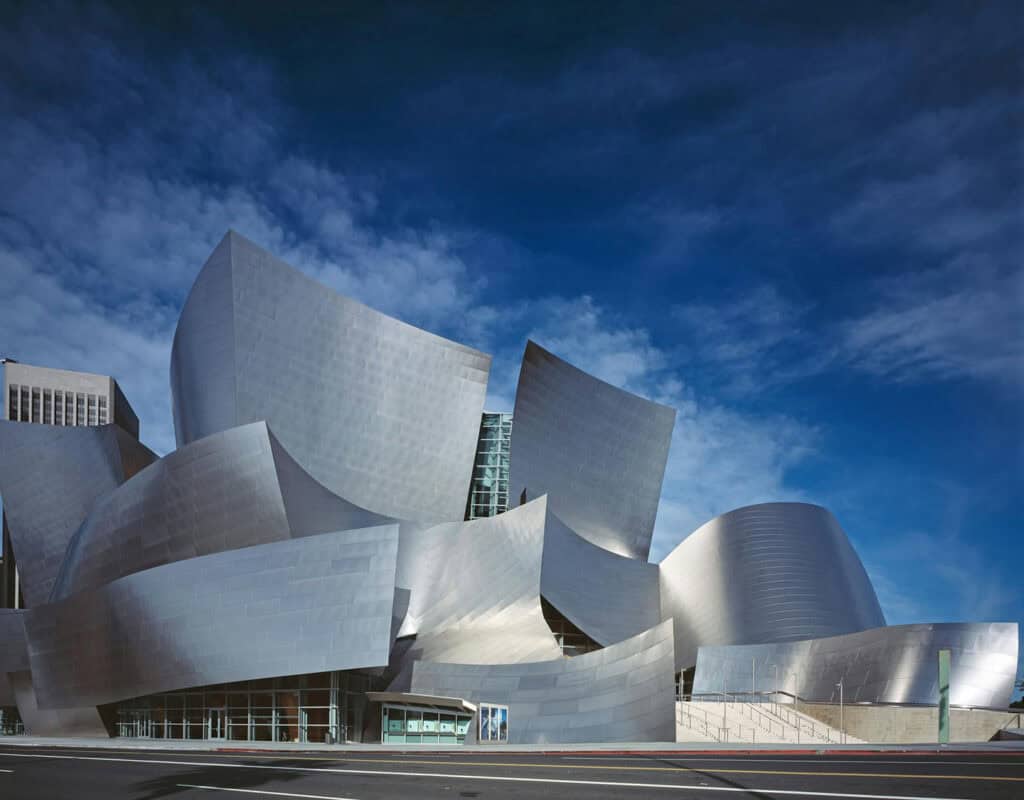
<point>422,700</point>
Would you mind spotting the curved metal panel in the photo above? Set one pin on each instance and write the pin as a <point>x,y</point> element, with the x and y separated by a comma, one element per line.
<point>284,608</point>
<point>219,493</point>
<point>379,412</point>
<point>135,456</point>
<point>13,651</point>
<point>203,352</point>
<point>310,507</point>
<point>896,664</point>
<point>608,597</point>
<point>775,572</point>
<point>234,489</point>
<point>475,589</point>
<point>623,693</point>
<point>599,452</point>
<point>50,477</point>
<point>77,721</point>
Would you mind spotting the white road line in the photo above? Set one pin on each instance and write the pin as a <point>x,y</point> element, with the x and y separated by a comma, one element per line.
<point>821,761</point>
<point>262,792</point>
<point>7,770</point>
<point>498,778</point>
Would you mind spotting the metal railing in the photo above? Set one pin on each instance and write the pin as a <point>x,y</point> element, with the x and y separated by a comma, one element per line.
<point>771,716</point>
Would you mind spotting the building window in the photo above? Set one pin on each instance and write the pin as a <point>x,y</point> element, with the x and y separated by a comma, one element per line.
<point>37,405</point>
<point>493,723</point>
<point>571,640</point>
<point>488,492</point>
<point>58,407</point>
<point>69,409</point>
<point>48,406</point>
<point>25,407</point>
<point>319,707</point>
<point>12,403</point>
<point>103,410</point>
<point>79,408</point>
<point>92,409</point>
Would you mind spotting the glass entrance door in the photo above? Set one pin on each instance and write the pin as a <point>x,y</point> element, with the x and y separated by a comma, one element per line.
<point>217,728</point>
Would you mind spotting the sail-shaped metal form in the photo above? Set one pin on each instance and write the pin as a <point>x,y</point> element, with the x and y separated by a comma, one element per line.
<point>379,412</point>
<point>625,692</point>
<point>50,476</point>
<point>774,572</point>
<point>597,451</point>
<point>897,664</point>
<point>284,608</point>
<point>307,536</point>
<point>220,493</point>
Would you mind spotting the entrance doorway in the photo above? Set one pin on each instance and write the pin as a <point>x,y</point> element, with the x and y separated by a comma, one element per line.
<point>218,724</point>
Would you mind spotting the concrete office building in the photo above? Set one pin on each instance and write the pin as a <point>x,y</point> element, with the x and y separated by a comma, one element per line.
<point>337,590</point>
<point>62,397</point>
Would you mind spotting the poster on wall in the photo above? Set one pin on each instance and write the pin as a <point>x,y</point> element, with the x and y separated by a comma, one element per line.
<point>493,723</point>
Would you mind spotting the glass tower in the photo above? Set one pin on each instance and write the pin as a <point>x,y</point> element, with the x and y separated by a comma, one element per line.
<point>488,491</point>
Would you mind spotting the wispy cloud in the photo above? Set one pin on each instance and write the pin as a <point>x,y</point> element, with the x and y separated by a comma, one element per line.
<point>106,226</point>
<point>720,457</point>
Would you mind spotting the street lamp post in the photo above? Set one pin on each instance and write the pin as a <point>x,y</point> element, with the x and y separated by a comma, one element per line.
<point>842,727</point>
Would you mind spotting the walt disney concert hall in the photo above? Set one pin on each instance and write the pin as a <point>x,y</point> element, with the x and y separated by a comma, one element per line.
<point>346,547</point>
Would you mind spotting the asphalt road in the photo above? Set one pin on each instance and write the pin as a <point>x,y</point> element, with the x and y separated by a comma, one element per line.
<point>56,774</point>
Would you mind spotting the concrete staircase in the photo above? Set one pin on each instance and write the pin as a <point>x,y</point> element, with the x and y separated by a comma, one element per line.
<point>752,723</point>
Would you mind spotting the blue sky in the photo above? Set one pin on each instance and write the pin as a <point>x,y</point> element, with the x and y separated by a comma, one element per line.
<point>801,225</point>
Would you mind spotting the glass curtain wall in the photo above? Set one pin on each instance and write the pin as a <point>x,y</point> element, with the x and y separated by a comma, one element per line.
<point>488,493</point>
<point>401,724</point>
<point>320,707</point>
<point>571,640</point>
<point>10,721</point>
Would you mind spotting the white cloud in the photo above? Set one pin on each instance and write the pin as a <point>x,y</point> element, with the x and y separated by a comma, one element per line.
<point>720,458</point>
<point>957,322</point>
<point>107,225</point>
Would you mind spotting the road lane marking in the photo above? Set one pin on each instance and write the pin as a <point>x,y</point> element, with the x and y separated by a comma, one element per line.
<point>792,773</point>
<point>820,761</point>
<point>605,784</point>
<point>404,757</point>
<point>262,791</point>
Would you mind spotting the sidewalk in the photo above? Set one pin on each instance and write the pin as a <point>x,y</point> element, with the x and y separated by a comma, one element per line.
<point>605,749</point>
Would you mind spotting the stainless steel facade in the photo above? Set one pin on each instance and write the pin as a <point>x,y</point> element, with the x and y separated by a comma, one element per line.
<point>775,572</point>
<point>597,451</point>
<point>50,477</point>
<point>608,597</point>
<point>624,693</point>
<point>381,413</point>
<point>307,605</point>
<point>898,664</point>
<point>231,490</point>
<point>475,590</point>
<point>310,524</point>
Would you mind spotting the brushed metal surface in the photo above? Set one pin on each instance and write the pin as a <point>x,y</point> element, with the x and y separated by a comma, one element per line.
<point>13,648</point>
<point>623,693</point>
<point>608,597</point>
<point>50,476</point>
<point>773,572</point>
<point>285,608</point>
<point>597,451</point>
<point>233,489</point>
<point>475,590</point>
<point>79,721</point>
<point>896,664</point>
<point>379,412</point>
